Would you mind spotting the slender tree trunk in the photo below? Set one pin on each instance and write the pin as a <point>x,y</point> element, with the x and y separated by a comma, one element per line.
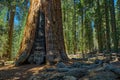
<point>82,31</point>
<point>74,29</point>
<point>107,26</point>
<point>10,32</point>
<point>98,27</point>
<point>118,21</point>
<point>113,25</point>
<point>65,28</point>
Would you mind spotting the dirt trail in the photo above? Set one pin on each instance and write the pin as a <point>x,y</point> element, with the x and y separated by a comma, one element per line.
<point>19,73</point>
<point>10,72</point>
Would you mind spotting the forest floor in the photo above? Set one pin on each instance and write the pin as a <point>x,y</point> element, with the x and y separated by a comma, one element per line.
<point>73,70</point>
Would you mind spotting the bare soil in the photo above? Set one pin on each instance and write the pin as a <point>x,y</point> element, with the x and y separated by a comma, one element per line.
<point>24,72</point>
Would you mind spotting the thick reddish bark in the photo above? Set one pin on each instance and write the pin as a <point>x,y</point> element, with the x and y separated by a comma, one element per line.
<point>54,31</point>
<point>29,32</point>
<point>54,41</point>
<point>60,28</point>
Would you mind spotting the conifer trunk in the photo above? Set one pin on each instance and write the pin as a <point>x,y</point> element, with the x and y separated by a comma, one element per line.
<point>10,32</point>
<point>113,25</point>
<point>98,27</point>
<point>107,26</point>
<point>43,36</point>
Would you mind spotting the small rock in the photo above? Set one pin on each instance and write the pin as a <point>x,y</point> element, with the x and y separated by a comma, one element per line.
<point>61,65</point>
<point>34,77</point>
<point>77,59</point>
<point>76,72</point>
<point>69,78</point>
<point>45,76</point>
<point>107,60</point>
<point>69,67</point>
<point>57,76</point>
<point>97,61</point>
<point>107,66</point>
<point>93,66</point>
<point>63,69</point>
<point>50,69</point>
<point>76,65</point>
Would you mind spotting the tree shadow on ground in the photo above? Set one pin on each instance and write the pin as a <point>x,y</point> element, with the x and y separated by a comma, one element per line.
<point>18,73</point>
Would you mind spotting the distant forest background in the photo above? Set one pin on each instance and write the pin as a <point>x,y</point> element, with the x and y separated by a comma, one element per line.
<point>88,25</point>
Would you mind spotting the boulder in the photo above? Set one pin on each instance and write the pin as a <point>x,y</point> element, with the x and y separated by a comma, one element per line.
<point>107,66</point>
<point>116,71</point>
<point>57,76</point>
<point>70,67</point>
<point>69,78</point>
<point>76,65</point>
<point>93,66</point>
<point>63,69</point>
<point>112,68</point>
<point>60,65</point>
<point>35,78</point>
<point>97,61</point>
<point>76,72</point>
<point>77,59</point>
<point>50,69</point>
<point>103,76</point>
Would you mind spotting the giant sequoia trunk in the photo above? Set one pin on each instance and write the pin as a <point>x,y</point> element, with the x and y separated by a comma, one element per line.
<point>43,40</point>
